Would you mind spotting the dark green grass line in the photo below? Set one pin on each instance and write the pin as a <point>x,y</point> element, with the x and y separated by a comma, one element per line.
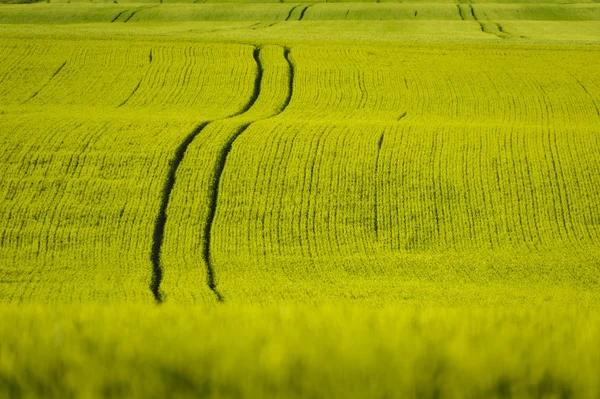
<point>34,95</point>
<point>473,12</point>
<point>130,16</point>
<point>161,219</point>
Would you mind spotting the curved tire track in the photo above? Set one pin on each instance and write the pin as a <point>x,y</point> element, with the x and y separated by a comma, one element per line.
<point>159,229</point>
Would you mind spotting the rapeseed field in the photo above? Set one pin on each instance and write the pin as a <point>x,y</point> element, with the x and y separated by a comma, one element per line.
<point>279,200</point>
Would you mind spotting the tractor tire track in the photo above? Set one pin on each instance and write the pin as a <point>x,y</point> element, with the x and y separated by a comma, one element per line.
<point>304,12</point>
<point>375,200</point>
<point>460,12</point>
<point>222,161</point>
<point>118,15</point>
<point>290,13</point>
<point>34,95</point>
<point>159,230</point>
<point>138,10</point>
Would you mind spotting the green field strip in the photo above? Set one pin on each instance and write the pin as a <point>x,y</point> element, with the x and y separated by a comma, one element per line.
<point>189,230</point>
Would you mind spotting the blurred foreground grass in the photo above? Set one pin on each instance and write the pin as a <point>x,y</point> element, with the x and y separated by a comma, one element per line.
<point>292,352</point>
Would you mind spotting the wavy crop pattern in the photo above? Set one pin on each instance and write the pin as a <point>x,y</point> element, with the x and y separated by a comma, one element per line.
<point>358,200</point>
<point>313,174</point>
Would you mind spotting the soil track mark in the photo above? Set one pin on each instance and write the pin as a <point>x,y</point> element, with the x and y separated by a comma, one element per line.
<point>34,95</point>
<point>216,180</point>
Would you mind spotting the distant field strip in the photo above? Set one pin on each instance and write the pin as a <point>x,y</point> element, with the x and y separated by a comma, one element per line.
<point>55,13</point>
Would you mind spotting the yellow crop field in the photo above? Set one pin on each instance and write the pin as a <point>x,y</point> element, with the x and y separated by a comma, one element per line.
<point>286,200</point>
